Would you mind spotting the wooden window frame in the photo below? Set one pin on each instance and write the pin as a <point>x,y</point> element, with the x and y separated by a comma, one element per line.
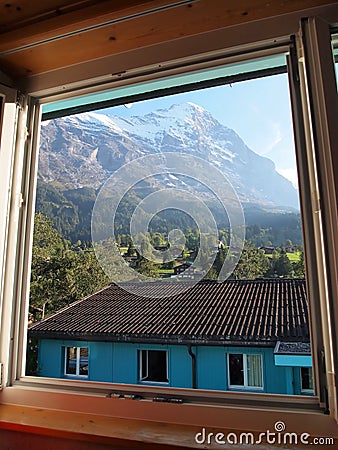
<point>223,410</point>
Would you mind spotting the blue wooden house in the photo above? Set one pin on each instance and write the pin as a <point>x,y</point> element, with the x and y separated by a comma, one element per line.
<point>240,335</point>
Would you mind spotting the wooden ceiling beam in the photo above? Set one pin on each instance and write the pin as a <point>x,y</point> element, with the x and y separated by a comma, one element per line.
<point>52,23</point>
<point>124,30</point>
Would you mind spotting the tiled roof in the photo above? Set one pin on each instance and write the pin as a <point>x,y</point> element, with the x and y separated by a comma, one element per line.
<point>245,312</point>
<point>291,348</point>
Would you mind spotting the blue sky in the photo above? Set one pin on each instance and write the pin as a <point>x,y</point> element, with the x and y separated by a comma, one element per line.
<point>258,110</point>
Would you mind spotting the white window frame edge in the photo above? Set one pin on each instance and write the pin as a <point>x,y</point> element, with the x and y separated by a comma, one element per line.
<point>15,371</point>
<point>315,52</point>
<point>141,378</point>
<point>15,267</point>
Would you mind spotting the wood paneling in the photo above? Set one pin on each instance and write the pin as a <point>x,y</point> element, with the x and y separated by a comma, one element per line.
<point>48,47</point>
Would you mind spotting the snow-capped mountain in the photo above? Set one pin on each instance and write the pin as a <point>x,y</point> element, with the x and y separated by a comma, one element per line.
<point>84,150</point>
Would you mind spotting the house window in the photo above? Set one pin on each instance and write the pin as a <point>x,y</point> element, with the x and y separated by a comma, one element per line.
<point>245,371</point>
<point>76,361</point>
<point>154,365</point>
<point>306,376</point>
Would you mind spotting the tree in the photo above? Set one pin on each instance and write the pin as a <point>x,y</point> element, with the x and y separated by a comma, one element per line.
<point>48,274</point>
<point>146,267</point>
<point>299,267</point>
<point>252,264</point>
<point>59,274</point>
<point>283,266</point>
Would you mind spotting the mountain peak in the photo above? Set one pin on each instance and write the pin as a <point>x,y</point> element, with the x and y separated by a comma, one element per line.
<point>95,145</point>
<point>187,107</point>
<point>187,110</point>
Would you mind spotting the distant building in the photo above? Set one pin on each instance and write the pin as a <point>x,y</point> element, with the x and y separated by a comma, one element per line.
<point>184,267</point>
<point>268,250</point>
<point>235,335</point>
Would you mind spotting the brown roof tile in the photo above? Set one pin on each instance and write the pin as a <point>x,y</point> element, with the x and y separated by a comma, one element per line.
<point>243,312</point>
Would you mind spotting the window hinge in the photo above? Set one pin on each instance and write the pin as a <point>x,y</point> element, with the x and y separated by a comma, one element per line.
<point>20,200</point>
<point>20,100</point>
<point>27,134</point>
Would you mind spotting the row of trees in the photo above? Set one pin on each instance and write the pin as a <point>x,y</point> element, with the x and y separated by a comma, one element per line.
<point>63,272</point>
<point>254,263</point>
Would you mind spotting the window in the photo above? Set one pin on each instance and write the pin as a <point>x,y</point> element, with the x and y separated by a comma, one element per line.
<point>16,373</point>
<point>81,154</point>
<point>154,366</point>
<point>245,371</point>
<point>76,361</point>
<point>306,375</point>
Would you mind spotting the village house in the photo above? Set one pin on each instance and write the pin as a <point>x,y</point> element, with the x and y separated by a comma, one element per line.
<point>240,335</point>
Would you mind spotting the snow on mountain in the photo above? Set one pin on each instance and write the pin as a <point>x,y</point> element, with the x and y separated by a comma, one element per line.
<point>85,149</point>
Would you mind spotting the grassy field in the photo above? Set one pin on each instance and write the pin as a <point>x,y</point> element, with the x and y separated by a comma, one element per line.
<point>294,257</point>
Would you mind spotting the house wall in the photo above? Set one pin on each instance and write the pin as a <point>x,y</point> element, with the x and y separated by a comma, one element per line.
<point>118,363</point>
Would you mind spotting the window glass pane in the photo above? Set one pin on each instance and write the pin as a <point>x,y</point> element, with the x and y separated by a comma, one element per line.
<point>277,62</point>
<point>71,359</point>
<point>236,369</point>
<point>307,378</point>
<point>254,370</point>
<point>83,364</point>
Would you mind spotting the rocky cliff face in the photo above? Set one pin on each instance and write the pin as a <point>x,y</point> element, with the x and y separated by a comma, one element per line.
<point>84,150</point>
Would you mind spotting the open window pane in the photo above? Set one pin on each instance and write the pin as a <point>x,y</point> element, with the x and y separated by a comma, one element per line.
<point>236,370</point>
<point>71,360</point>
<point>154,366</point>
<point>171,267</point>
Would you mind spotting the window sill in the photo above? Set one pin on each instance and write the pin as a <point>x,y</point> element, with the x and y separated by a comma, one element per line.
<point>95,428</point>
<point>245,389</point>
<point>138,424</point>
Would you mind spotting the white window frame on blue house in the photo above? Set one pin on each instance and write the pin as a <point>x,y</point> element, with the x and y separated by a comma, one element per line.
<point>144,379</point>
<point>77,362</point>
<point>245,384</point>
